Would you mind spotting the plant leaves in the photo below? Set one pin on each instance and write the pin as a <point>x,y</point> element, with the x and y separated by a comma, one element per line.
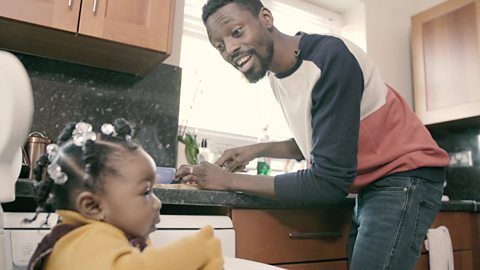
<point>180,139</point>
<point>191,147</point>
<point>191,154</point>
<point>190,139</point>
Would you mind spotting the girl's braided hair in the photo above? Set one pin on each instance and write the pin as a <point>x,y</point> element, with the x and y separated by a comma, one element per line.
<point>84,166</point>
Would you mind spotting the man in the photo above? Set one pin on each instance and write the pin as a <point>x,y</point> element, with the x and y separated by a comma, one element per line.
<point>357,134</point>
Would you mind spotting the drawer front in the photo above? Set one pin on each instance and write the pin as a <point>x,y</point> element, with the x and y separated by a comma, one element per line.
<point>284,236</point>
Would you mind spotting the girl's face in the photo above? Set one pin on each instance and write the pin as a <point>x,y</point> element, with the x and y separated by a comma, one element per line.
<point>128,201</point>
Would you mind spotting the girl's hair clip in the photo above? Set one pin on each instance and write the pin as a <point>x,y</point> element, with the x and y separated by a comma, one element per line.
<point>83,132</point>
<point>108,129</point>
<point>55,173</point>
<point>52,151</point>
<point>54,170</point>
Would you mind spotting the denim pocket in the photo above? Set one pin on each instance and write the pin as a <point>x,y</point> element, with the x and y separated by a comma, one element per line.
<point>426,213</point>
<point>391,184</point>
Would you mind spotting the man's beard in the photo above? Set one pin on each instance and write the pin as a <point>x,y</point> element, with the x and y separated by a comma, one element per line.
<point>254,75</point>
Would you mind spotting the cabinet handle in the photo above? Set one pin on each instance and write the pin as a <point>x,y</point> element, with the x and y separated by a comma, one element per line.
<point>94,10</point>
<point>314,235</point>
<point>70,3</point>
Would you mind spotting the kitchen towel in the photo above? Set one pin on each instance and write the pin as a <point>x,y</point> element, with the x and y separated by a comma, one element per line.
<point>439,246</point>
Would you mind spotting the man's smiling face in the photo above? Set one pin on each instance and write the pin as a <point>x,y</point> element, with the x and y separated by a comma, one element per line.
<point>242,39</point>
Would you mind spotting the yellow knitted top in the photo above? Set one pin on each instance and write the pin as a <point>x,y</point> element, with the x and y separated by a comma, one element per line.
<point>101,246</point>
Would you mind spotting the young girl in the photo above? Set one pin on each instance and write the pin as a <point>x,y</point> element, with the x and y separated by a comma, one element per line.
<point>101,185</point>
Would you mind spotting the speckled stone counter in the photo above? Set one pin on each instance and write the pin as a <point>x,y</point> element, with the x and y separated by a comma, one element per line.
<point>228,199</point>
<point>241,200</point>
<point>208,198</point>
<point>462,178</point>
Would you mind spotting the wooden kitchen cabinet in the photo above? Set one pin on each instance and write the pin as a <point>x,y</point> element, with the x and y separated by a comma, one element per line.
<point>293,239</point>
<point>462,227</point>
<point>264,235</point>
<point>446,62</point>
<point>336,265</point>
<point>123,35</point>
<point>461,260</point>
<point>57,14</point>
<point>143,23</point>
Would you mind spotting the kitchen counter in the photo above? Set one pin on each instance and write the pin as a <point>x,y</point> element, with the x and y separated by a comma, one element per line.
<point>241,200</point>
<point>209,198</point>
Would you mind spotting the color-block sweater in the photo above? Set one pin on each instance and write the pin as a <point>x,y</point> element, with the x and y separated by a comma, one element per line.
<point>350,126</point>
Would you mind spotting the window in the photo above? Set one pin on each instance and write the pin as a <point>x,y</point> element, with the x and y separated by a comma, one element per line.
<point>214,95</point>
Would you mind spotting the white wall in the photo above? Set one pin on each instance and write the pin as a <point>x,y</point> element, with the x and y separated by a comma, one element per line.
<point>174,58</point>
<point>353,25</point>
<point>388,39</point>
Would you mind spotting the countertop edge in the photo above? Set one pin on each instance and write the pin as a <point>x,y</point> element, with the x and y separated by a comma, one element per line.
<point>188,197</point>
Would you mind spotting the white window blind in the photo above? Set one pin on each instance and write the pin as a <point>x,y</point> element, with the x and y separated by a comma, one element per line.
<point>215,96</point>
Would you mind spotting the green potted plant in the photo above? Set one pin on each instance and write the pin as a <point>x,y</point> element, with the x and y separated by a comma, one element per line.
<point>191,147</point>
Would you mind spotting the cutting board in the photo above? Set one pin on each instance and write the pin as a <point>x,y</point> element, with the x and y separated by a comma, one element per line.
<point>177,186</point>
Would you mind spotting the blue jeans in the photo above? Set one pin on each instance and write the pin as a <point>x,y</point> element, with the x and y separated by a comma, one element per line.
<point>390,221</point>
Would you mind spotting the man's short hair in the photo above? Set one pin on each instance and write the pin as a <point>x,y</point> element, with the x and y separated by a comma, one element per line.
<point>254,6</point>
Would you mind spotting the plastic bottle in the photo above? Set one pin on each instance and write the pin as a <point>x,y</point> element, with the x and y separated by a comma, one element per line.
<point>204,153</point>
<point>263,163</point>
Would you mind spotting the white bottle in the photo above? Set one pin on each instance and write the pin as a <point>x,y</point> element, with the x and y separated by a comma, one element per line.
<point>204,153</point>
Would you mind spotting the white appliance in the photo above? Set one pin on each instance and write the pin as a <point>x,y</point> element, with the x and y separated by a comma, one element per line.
<point>21,239</point>
<point>16,113</point>
<point>172,227</point>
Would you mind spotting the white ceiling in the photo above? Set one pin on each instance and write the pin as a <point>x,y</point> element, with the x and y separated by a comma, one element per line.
<point>338,6</point>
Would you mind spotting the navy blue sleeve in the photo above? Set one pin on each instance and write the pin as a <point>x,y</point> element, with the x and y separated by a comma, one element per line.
<point>336,99</point>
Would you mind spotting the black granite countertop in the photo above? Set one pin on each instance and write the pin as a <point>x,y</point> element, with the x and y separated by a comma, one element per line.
<point>190,197</point>
<point>241,200</point>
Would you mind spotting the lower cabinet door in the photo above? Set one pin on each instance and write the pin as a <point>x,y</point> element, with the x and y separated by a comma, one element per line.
<point>462,260</point>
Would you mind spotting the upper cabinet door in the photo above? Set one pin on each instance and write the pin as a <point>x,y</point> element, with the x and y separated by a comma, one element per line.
<point>446,61</point>
<point>143,23</point>
<point>58,14</point>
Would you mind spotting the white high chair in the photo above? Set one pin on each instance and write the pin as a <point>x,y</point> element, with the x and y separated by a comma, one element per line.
<point>16,112</point>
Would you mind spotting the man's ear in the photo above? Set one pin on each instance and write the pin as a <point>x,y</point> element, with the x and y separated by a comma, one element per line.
<point>266,18</point>
<point>88,204</point>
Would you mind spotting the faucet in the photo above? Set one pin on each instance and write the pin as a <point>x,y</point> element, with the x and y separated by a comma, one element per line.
<point>16,112</point>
